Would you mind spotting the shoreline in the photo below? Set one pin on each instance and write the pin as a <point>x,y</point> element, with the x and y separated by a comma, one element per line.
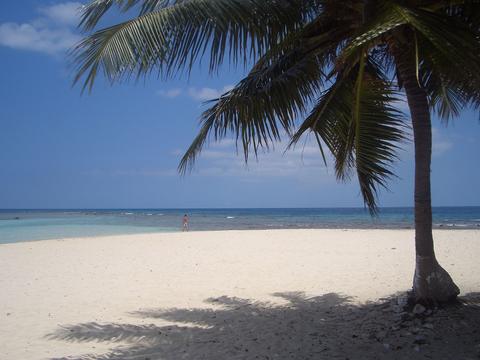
<point>45,225</point>
<point>72,297</point>
<point>412,229</point>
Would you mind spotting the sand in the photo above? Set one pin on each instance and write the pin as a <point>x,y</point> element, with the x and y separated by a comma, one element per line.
<point>275,294</point>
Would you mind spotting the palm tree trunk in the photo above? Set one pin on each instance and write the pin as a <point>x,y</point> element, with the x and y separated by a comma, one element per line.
<point>431,283</point>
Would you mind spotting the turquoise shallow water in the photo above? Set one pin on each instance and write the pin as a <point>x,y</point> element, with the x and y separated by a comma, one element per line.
<point>27,225</point>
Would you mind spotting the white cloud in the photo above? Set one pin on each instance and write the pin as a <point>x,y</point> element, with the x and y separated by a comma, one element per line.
<point>303,163</point>
<point>272,164</point>
<point>50,34</point>
<point>170,94</point>
<point>64,13</point>
<point>146,172</point>
<point>198,94</point>
<point>29,37</point>
<point>206,93</point>
<point>225,143</point>
<point>131,172</point>
<point>440,144</point>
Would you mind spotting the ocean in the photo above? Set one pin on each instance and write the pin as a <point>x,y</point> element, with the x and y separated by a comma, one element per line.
<point>28,225</point>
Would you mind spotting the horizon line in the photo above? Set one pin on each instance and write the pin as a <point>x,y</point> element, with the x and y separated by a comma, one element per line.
<point>232,208</point>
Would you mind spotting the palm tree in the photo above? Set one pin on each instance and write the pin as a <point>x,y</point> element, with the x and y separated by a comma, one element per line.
<point>339,66</point>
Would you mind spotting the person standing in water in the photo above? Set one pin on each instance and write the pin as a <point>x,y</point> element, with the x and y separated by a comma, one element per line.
<point>185,222</point>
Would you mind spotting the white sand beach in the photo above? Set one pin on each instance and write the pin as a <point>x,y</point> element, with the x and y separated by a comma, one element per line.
<point>275,294</point>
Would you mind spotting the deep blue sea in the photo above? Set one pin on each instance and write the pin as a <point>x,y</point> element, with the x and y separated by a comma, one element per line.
<point>27,225</point>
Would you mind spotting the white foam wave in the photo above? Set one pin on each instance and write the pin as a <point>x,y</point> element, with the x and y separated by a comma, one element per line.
<point>456,225</point>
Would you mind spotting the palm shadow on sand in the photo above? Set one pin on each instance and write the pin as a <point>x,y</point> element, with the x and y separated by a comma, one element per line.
<point>324,327</point>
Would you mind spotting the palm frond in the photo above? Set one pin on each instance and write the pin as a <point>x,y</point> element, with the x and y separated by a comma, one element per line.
<point>172,38</point>
<point>330,121</point>
<point>447,95</point>
<point>96,9</point>
<point>455,40</point>
<point>384,20</point>
<point>277,91</point>
<point>357,122</point>
<point>467,12</point>
<point>449,84</point>
<point>269,99</point>
<point>379,131</point>
<point>334,54</point>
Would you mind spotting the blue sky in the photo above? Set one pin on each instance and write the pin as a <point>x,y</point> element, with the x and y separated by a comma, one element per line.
<point>119,147</point>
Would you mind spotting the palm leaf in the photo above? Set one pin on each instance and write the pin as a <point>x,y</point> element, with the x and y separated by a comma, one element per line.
<point>172,38</point>
<point>273,94</point>
<point>276,92</point>
<point>450,85</point>
<point>294,44</point>
<point>96,9</point>
<point>453,39</point>
<point>379,130</point>
<point>383,21</point>
<point>357,122</point>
